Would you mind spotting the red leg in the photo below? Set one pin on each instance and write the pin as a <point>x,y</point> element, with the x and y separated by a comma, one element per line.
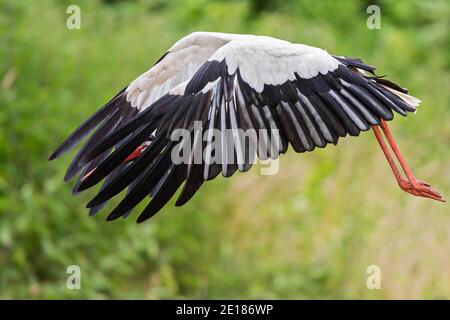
<point>412,185</point>
<point>396,149</point>
<point>388,156</point>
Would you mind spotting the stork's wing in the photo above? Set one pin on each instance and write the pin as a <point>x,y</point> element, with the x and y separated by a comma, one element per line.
<point>297,93</point>
<point>177,65</point>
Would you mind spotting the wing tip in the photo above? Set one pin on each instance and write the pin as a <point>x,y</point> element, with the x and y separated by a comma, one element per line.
<point>69,175</point>
<point>141,218</point>
<point>53,156</point>
<point>180,202</point>
<point>94,202</point>
<point>112,216</point>
<point>63,148</point>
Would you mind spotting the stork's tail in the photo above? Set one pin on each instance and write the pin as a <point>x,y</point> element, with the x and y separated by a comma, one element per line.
<point>368,72</point>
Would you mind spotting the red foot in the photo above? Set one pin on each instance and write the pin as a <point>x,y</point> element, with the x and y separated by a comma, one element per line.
<point>420,189</point>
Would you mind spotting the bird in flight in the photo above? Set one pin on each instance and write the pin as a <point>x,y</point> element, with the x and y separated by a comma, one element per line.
<point>282,92</point>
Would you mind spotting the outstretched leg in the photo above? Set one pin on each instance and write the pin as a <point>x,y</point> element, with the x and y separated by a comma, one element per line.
<point>411,184</point>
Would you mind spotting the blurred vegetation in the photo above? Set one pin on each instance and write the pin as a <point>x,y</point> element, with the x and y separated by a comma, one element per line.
<point>308,232</point>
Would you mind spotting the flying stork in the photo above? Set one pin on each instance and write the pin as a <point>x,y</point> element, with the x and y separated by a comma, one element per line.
<point>230,81</point>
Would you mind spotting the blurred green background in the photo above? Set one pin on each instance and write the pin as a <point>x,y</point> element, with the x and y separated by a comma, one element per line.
<point>310,231</point>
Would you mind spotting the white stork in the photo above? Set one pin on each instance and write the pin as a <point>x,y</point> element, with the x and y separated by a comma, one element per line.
<point>230,81</point>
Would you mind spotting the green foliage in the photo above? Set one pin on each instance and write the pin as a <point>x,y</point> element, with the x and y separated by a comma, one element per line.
<point>308,232</point>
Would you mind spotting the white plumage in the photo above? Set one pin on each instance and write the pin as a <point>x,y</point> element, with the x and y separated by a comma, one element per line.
<point>261,60</point>
<point>179,64</point>
<point>264,60</point>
